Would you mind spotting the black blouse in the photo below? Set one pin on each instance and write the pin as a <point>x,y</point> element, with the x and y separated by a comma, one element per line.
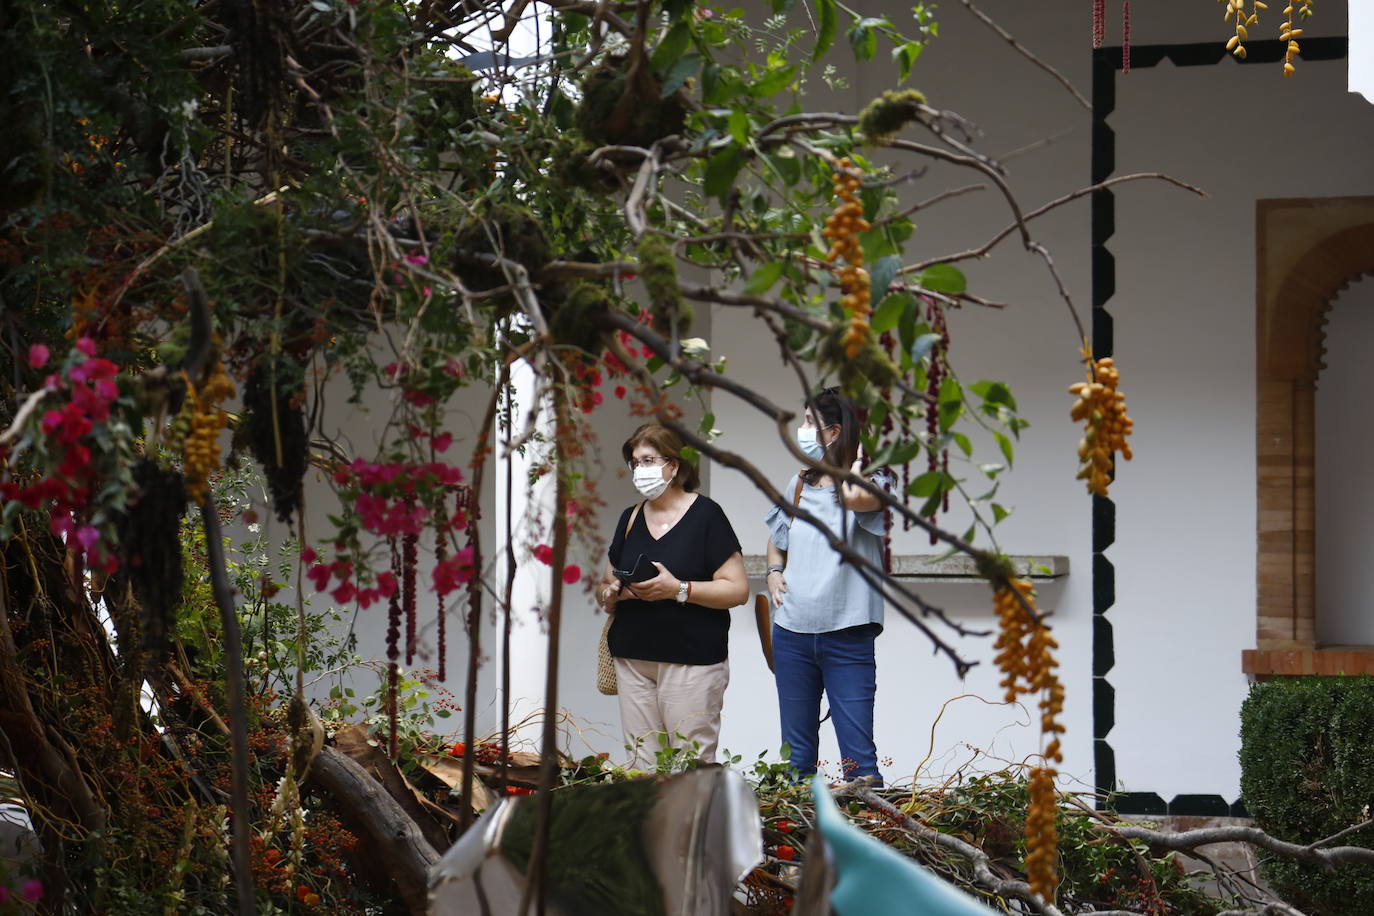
<point>692,550</point>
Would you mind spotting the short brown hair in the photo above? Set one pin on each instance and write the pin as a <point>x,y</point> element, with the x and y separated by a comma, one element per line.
<point>667,443</point>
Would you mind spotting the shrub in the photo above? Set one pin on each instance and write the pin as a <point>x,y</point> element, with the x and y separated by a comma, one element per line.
<point>1307,772</point>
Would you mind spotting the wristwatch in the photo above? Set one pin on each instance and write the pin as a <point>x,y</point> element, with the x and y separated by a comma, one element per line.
<point>684,589</point>
<point>776,567</point>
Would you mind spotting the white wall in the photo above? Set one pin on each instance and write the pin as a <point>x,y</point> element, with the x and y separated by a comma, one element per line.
<point>1345,495</point>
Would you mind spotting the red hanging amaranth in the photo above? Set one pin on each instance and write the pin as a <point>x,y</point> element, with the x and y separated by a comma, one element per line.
<point>1099,22</point>
<point>1125,36</point>
<point>393,653</point>
<point>409,556</point>
<point>441,554</point>
<point>935,377</point>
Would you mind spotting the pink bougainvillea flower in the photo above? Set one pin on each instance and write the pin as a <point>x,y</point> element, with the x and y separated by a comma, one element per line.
<point>571,573</point>
<point>418,260</point>
<point>32,891</point>
<point>308,555</point>
<point>51,420</point>
<point>38,356</point>
<point>386,584</point>
<point>453,571</point>
<point>345,593</point>
<point>319,575</point>
<point>441,442</point>
<point>87,537</point>
<point>544,554</point>
<point>4,895</point>
<point>86,345</point>
<point>620,391</point>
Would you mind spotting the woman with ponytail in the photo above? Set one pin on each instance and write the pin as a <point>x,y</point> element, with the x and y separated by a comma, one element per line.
<point>826,616</point>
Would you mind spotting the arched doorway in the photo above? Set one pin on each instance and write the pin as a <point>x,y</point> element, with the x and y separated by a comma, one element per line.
<point>1308,250</point>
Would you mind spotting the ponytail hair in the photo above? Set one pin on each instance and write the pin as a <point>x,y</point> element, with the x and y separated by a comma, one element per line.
<point>831,408</point>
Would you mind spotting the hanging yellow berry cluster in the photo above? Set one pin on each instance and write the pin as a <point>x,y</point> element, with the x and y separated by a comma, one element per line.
<point>1287,31</point>
<point>1236,9</point>
<point>842,229</point>
<point>1289,34</point>
<point>1102,410</point>
<point>1025,656</point>
<point>201,452</point>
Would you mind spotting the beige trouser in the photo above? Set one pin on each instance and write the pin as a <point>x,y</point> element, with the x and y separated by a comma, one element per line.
<point>681,701</point>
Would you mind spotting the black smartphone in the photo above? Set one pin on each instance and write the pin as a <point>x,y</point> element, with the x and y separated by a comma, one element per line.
<point>643,571</point>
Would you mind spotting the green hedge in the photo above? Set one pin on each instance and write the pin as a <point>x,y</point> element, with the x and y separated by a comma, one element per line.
<point>1307,772</point>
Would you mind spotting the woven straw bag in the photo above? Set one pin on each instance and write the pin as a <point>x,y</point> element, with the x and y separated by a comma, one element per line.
<point>605,661</point>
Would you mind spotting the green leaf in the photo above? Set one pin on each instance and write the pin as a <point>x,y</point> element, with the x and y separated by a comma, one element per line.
<point>676,9</point>
<point>710,81</point>
<point>764,278</point>
<point>828,22</point>
<point>883,272</point>
<point>677,40</point>
<point>863,39</point>
<point>942,278</point>
<point>654,364</point>
<point>782,6</point>
<point>773,83</point>
<point>925,485</point>
<point>965,446</point>
<point>788,167</point>
<point>677,74</point>
<point>1005,445</point>
<point>922,346</point>
<point>905,56</point>
<point>903,452</point>
<point>998,513</point>
<point>739,127</point>
<point>993,393</point>
<point>889,312</point>
<point>721,170</point>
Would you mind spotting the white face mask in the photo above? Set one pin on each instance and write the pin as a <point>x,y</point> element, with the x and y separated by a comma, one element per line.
<point>649,481</point>
<point>808,443</point>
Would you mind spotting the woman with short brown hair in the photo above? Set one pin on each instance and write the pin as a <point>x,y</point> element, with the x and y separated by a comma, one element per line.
<point>670,635</point>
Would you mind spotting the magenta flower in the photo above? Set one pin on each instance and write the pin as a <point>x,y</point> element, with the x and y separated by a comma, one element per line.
<point>38,356</point>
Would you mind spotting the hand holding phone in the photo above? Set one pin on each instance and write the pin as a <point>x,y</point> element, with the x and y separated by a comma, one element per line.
<point>643,571</point>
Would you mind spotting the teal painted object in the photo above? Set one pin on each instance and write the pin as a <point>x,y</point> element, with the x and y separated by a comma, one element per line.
<point>873,879</point>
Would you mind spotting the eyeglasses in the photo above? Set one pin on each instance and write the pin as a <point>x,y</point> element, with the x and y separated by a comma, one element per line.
<point>657,461</point>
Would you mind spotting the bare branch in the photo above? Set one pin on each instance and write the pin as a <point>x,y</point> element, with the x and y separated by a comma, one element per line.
<point>1026,53</point>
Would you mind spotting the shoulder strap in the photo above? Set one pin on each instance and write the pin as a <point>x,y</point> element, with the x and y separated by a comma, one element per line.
<point>797,492</point>
<point>633,515</point>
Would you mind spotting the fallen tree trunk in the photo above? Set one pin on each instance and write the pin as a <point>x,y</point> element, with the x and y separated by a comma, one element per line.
<point>390,832</point>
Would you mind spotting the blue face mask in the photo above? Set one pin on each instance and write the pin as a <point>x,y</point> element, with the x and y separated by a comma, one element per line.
<point>808,443</point>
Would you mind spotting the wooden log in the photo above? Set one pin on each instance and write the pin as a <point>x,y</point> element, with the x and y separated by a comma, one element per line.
<point>390,833</point>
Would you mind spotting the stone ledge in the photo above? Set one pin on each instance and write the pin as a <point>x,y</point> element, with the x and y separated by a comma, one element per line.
<point>1333,661</point>
<point>934,568</point>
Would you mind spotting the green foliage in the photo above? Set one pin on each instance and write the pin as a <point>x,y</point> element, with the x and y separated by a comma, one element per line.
<point>888,114</point>
<point>600,828</point>
<point>658,270</point>
<point>1307,773</point>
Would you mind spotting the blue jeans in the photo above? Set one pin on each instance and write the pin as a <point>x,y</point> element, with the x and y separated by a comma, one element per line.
<point>840,664</point>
